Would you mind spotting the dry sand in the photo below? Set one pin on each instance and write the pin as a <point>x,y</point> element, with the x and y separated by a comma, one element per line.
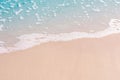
<point>82,59</point>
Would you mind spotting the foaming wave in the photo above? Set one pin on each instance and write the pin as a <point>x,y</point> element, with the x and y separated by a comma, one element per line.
<point>30,40</point>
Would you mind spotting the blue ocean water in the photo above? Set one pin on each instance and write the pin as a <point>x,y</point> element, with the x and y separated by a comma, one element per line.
<point>19,17</point>
<point>17,14</point>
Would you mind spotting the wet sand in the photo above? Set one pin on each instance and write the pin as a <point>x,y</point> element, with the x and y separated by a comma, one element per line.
<point>81,59</point>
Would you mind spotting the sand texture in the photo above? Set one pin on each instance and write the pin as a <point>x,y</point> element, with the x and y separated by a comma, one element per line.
<point>81,59</point>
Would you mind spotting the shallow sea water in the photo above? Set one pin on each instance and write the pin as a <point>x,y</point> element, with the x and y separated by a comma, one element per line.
<point>26,23</point>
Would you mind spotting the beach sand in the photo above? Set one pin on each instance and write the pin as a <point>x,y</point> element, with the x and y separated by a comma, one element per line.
<point>81,59</point>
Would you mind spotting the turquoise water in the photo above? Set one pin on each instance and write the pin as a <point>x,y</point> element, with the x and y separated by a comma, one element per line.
<point>19,17</point>
<point>19,14</point>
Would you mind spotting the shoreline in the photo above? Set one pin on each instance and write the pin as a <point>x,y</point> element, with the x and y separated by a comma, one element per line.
<point>112,39</point>
<point>66,41</point>
<point>81,59</point>
<point>30,40</point>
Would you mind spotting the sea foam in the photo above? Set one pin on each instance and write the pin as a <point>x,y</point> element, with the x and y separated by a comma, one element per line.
<point>29,40</point>
<point>1,26</point>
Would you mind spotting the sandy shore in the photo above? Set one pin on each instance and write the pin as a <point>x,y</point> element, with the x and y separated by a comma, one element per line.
<point>82,59</point>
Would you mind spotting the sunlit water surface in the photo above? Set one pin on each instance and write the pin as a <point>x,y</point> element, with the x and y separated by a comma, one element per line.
<point>20,17</point>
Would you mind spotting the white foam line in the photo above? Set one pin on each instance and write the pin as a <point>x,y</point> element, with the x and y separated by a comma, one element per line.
<point>30,40</point>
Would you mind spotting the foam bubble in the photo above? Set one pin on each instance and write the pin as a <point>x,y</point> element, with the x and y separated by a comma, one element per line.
<point>3,50</point>
<point>1,26</point>
<point>1,42</point>
<point>19,11</point>
<point>30,40</point>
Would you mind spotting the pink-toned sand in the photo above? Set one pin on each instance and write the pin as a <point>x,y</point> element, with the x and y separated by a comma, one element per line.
<point>82,59</point>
